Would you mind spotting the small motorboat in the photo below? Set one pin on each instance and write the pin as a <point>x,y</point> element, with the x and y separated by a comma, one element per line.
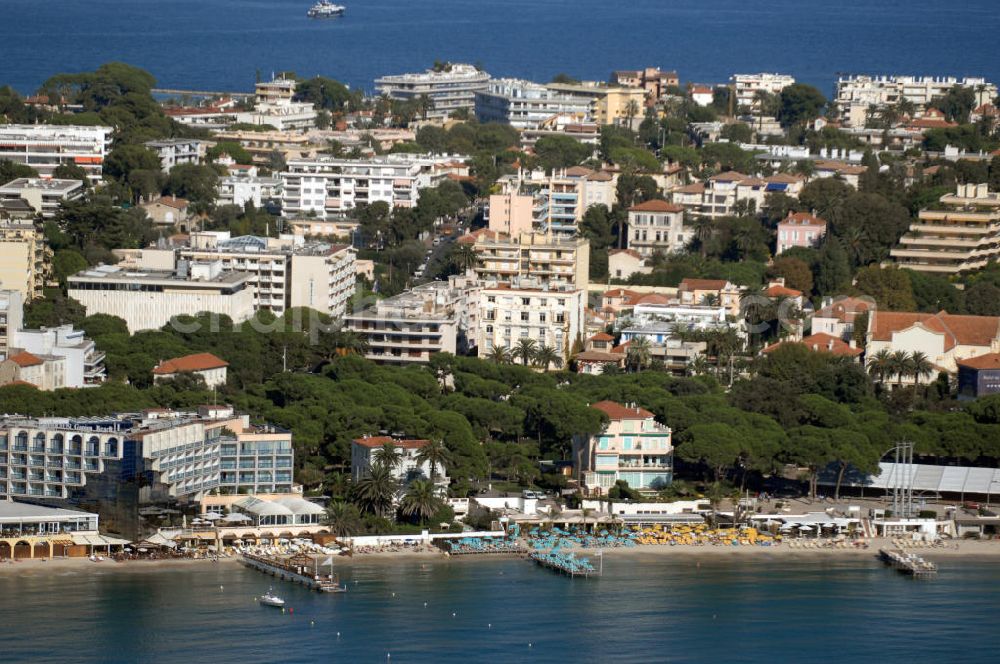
<point>270,599</point>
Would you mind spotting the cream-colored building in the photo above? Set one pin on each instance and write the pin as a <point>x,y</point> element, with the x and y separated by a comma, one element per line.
<point>633,447</point>
<point>944,338</point>
<point>549,316</point>
<point>11,318</point>
<point>212,369</point>
<point>623,263</point>
<point>561,198</point>
<point>148,300</point>
<point>703,291</point>
<point>44,196</point>
<point>510,213</point>
<point>746,87</point>
<point>960,233</point>
<point>544,257</point>
<point>25,258</point>
<point>657,226</point>
<point>608,104</point>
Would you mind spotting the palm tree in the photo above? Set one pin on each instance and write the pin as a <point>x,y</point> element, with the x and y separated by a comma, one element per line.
<point>756,308</point>
<point>376,490</point>
<point>704,231</point>
<point>879,365</point>
<point>348,343</point>
<point>420,501</point>
<point>921,366</point>
<point>343,519</point>
<point>638,353</point>
<point>388,455</point>
<point>499,355</point>
<point>464,256</point>
<point>900,366</point>
<point>547,356</point>
<point>435,454</point>
<point>525,349</point>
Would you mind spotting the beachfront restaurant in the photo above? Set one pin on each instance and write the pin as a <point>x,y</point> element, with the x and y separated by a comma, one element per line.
<point>36,531</point>
<point>284,511</point>
<point>810,524</point>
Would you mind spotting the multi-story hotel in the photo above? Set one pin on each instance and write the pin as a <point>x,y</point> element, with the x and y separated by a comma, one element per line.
<point>657,226</point>
<point>43,147</point>
<point>281,272</point>
<point>149,299</point>
<point>25,258</point>
<point>411,327</point>
<point>44,196</point>
<point>114,465</point>
<point>746,87</point>
<point>331,186</point>
<point>960,233</point>
<point>544,257</point>
<point>550,315</point>
<point>633,447</point>
<point>526,105</point>
<point>856,94</point>
<point>449,88</point>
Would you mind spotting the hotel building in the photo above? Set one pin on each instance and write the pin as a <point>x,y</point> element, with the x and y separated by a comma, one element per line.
<point>959,234</point>
<point>633,447</point>
<point>149,299</point>
<point>114,465</point>
<point>449,89</point>
<point>43,147</point>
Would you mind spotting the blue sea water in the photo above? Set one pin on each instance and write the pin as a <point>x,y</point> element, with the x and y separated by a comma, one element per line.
<point>220,44</point>
<point>662,610</point>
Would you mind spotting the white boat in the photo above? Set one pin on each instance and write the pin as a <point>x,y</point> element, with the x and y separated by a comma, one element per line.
<point>270,599</point>
<point>325,9</point>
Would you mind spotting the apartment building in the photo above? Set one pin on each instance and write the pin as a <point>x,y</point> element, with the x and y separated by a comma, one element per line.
<point>836,318</point>
<point>414,325</point>
<point>79,362</point>
<point>11,318</point>
<point>275,107</point>
<point>623,263</point>
<point>281,273</point>
<point>608,104</point>
<point>561,198</point>
<point>721,194</point>
<point>746,86</point>
<point>239,190</point>
<point>115,465</point>
<point>44,196</point>
<point>448,88</point>
<point>652,80</point>
<point>544,257</point>
<point>510,213</point>
<point>365,451</point>
<point>657,226</point>
<point>799,229</point>
<point>330,186</point>
<point>550,316</point>
<point>43,147</point>
<point>149,299</point>
<point>717,292</point>
<point>855,94</point>
<point>944,338</point>
<point>255,459</point>
<point>527,105</point>
<point>960,233</point>
<point>633,447</point>
<point>174,151</point>
<point>25,258</point>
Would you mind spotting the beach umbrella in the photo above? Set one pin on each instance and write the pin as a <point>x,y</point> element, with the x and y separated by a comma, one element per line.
<point>212,516</point>
<point>237,516</point>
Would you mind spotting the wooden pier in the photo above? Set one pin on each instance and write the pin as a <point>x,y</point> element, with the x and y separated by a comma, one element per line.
<point>908,563</point>
<point>297,569</point>
<point>569,567</point>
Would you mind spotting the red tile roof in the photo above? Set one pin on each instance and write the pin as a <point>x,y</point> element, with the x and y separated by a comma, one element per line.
<point>616,411</point>
<point>650,298</point>
<point>782,291</point>
<point>728,176</point>
<point>695,188</point>
<point>171,201</point>
<point>26,359</point>
<point>689,284</point>
<point>988,361</point>
<point>804,219</point>
<point>601,336</point>
<point>189,363</point>
<point>656,205</point>
<point>378,441</point>
<point>957,330</point>
<point>822,343</point>
<point>599,357</point>
<point>846,309</point>
<point>620,292</point>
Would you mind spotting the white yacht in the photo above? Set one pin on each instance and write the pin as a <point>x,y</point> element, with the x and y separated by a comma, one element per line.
<point>270,599</point>
<point>325,9</point>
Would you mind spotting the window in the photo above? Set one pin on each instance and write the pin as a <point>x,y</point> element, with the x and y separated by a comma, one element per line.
<point>526,301</point>
<point>541,317</point>
<point>524,316</point>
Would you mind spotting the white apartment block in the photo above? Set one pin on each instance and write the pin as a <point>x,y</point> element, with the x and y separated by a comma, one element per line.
<point>239,190</point>
<point>449,89</point>
<point>746,87</point>
<point>551,317</point>
<point>43,147</point>
<point>281,272</point>
<point>83,364</point>
<point>857,93</point>
<point>149,299</point>
<point>547,258</point>
<point>274,107</point>
<point>329,186</point>
<point>174,151</point>
<point>44,196</point>
<point>657,227</point>
<point>527,105</point>
<point>11,318</point>
<point>411,327</point>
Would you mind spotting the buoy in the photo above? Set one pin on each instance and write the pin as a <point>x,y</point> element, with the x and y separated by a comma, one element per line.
<point>529,645</point>
<point>394,594</point>
<point>291,610</point>
<point>452,614</point>
<point>489,625</point>
<point>425,603</point>
<point>338,635</point>
<point>312,623</point>
<point>221,587</point>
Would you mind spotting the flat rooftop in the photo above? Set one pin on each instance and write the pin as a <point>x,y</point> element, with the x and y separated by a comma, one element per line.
<point>52,186</point>
<point>113,273</point>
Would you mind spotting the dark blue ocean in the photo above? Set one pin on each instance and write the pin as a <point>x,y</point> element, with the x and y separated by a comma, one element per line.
<point>220,44</point>
<point>668,610</point>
